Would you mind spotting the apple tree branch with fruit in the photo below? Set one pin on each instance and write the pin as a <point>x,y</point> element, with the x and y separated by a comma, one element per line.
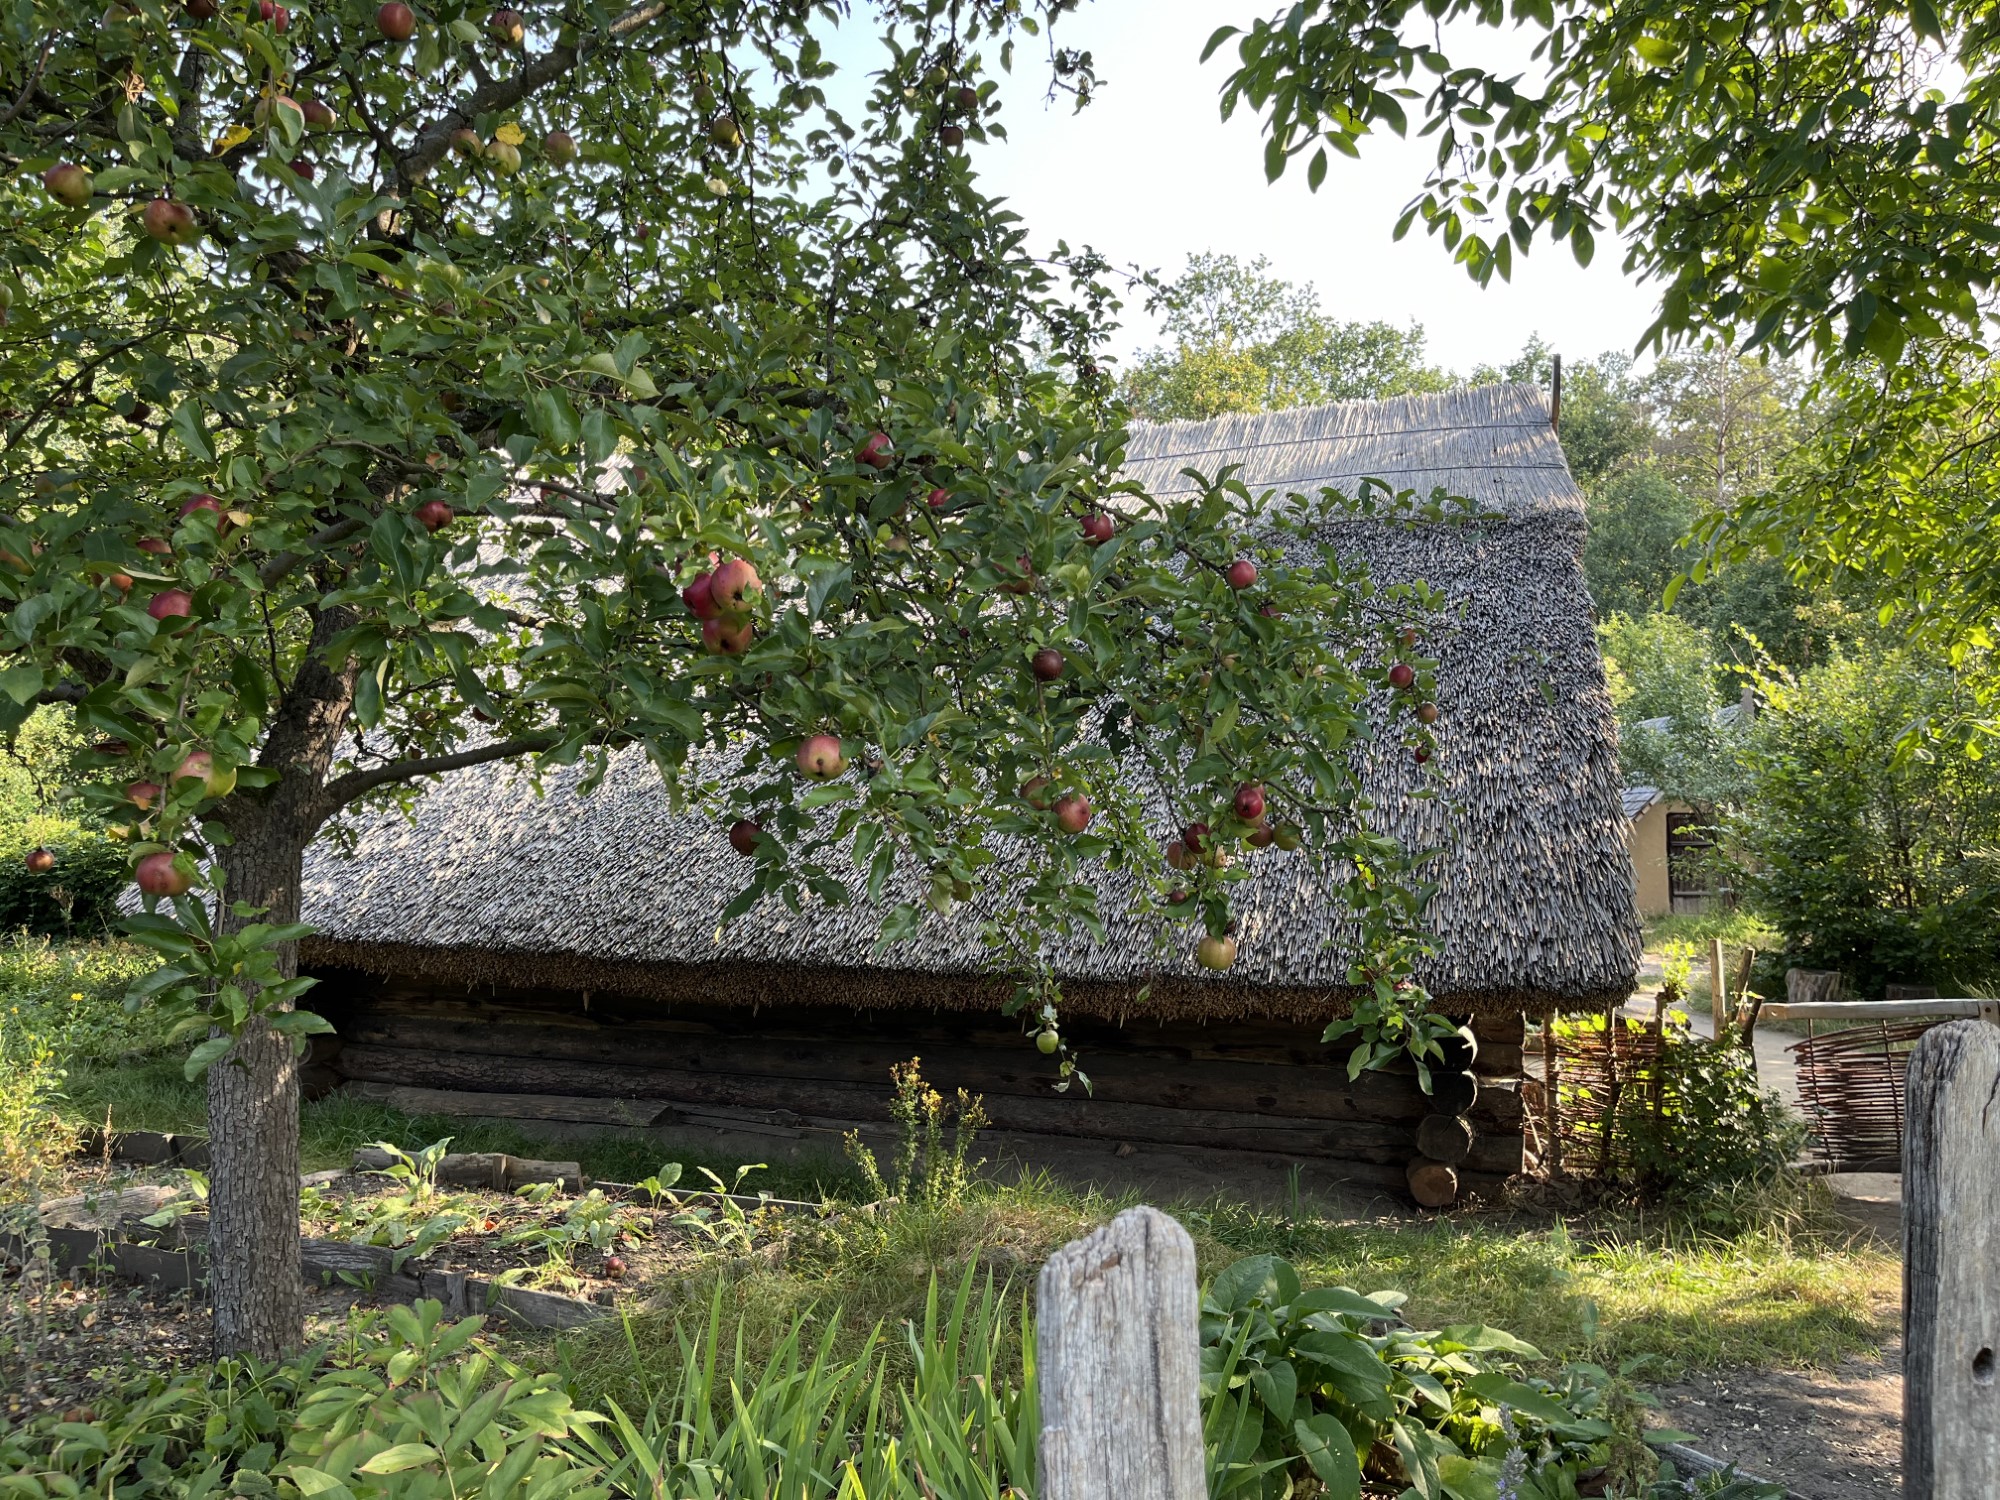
<point>386,391</point>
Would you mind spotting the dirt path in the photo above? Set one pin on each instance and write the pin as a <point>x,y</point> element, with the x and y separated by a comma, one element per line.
<point>1827,1435</point>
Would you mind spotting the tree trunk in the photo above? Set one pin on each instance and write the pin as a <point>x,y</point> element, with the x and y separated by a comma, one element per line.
<point>253,1131</point>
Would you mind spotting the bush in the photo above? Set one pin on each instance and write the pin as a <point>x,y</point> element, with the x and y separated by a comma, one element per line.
<point>1713,1126</point>
<point>1873,845</point>
<point>78,898</point>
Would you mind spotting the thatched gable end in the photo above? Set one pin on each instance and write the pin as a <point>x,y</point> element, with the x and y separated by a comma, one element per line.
<point>1535,909</point>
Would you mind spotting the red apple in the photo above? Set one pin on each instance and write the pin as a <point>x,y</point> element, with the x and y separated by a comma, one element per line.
<point>40,861</point>
<point>1179,896</point>
<point>876,451</point>
<point>734,587</point>
<point>170,604</point>
<point>1402,675</point>
<point>559,146</point>
<point>614,1267</point>
<point>1036,791</point>
<point>318,115</point>
<point>1047,664</point>
<point>204,502</point>
<point>170,223</point>
<point>1024,569</point>
<point>68,184</point>
<point>216,781</point>
<point>1177,856</point>
<point>119,581</point>
<point>155,546</point>
<point>203,10</point>
<point>158,876</point>
<point>1249,802</point>
<point>1072,812</point>
<point>952,135</point>
<point>506,27</point>
<point>967,99</point>
<point>142,794</point>
<point>1262,836</point>
<point>726,636</point>
<point>699,597</point>
<point>303,165</point>
<point>1242,573</point>
<point>1195,838</point>
<point>434,515</point>
<point>938,498</point>
<point>1097,528</point>
<point>1408,638</point>
<point>743,836</point>
<point>821,758</point>
<point>1423,753</point>
<point>1215,952</point>
<point>396,21</point>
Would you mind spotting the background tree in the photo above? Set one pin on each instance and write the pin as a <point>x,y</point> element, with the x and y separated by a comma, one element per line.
<point>1813,180</point>
<point>1873,852</point>
<point>429,391</point>
<point>1668,690</point>
<point>1243,340</point>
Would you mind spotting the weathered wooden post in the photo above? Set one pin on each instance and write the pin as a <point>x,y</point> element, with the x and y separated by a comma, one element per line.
<point>1951,1239</point>
<point>1118,1363</point>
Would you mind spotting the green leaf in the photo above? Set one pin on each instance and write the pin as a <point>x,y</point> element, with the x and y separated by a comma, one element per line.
<point>1524,1400</point>
<point>1216,38</point>
<point>403,1456</point>
<point>1325,1444</point>
<point>199,1059</point>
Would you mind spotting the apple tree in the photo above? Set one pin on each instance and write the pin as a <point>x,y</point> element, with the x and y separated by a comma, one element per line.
<point>391,391</point>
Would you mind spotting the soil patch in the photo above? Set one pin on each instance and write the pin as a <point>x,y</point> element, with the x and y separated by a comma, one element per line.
<point>1826,1434</point>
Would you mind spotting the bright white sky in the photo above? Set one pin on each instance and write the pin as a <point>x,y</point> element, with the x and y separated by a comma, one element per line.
<point>1149,174</point>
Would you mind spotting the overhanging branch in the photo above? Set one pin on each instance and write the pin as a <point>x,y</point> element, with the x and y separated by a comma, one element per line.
<point>344,789</point>
<point>504,93</point>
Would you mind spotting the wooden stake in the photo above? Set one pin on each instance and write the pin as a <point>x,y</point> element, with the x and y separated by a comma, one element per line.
<point>1551,1105</point>
<point>1718,987</point>
<point>1951,1240</point>
<point>1118,1362</point>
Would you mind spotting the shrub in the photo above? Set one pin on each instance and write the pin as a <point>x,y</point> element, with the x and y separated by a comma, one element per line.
<point>1704,1122</point>
<point>1872,843</point>
<point>78,898</point>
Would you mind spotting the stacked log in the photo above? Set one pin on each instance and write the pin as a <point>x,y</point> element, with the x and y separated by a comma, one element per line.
<point>1446,1138</point>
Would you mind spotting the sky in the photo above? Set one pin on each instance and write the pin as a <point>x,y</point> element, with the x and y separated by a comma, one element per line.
<point>1149,174</point>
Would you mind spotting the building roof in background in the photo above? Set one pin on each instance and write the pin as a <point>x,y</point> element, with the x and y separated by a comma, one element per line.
<point>1534,909</point>
<point>1639,798</point>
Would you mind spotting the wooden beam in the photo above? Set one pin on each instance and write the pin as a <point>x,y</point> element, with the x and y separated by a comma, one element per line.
<point>1880,1010</point>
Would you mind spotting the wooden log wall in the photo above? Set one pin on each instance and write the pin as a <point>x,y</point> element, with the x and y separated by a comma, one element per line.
<point>1267,1088</point>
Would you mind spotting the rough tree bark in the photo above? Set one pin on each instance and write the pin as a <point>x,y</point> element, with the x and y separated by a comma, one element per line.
<point>253,1090</point>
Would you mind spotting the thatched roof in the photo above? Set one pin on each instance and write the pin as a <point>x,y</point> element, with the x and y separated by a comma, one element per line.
<point>1535,910</point>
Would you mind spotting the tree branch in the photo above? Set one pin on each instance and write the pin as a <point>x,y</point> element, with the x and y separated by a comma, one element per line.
<point>344,789</point>
<point>504,93</point>
<point>8,115</point>
<point>339,531</point>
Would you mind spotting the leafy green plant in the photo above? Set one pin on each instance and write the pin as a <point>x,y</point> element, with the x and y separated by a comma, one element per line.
<point>1333,1384</point>
<point>415,1170</point>
<point>1705,1122</point>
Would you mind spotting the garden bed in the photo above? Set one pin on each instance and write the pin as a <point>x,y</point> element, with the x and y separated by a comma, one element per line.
<point>478,1232</point>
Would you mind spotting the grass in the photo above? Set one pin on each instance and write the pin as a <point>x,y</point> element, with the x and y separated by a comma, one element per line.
<point>1737,929</point>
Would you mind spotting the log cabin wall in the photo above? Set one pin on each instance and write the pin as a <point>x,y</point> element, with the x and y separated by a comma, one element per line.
<point>1228,1089</point>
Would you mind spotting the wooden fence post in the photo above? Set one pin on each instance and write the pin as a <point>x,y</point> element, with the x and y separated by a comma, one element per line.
<point>1118,1364</point>
<point>1951,1238</point>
